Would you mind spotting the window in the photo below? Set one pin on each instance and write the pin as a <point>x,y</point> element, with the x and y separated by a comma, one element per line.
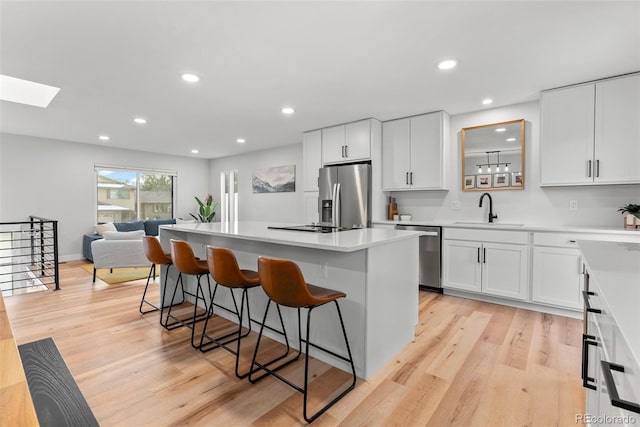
<point>130,195</point>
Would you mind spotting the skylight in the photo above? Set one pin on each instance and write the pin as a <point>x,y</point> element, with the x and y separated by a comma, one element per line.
<point>26,92</point>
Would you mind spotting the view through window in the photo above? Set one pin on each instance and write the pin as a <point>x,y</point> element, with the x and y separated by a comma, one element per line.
<point>134,195</point>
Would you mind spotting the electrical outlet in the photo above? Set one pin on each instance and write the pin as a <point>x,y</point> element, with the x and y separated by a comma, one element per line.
<point>323,270</point>
<point>573,205</point>
<point>455,205</point>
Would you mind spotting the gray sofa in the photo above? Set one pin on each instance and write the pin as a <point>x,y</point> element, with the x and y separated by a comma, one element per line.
<point>150,228</point>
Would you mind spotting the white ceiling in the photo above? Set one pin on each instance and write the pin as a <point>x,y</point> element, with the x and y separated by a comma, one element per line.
<point>332,61</point>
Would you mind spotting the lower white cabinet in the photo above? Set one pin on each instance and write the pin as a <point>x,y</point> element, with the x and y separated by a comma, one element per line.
<point>605,343</point>
<point>487,267</point>
<point>557,276</point>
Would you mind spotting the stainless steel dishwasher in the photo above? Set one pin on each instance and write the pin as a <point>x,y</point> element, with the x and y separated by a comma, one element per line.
<point>430,256</point>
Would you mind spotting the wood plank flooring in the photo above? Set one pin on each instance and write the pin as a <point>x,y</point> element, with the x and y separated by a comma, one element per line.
<point>470,364</point>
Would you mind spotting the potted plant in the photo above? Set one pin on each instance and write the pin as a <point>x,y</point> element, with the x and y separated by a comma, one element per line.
<point>631,214</point>
<point>206,209</point>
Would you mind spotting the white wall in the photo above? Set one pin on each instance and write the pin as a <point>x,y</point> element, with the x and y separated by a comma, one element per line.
<point>56,179</point>
<point>276,207</point>
<point>597,205</point>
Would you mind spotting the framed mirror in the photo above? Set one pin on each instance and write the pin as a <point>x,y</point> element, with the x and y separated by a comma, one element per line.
<point>493,156</point>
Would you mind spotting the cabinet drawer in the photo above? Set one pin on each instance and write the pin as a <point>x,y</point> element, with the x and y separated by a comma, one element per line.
<point>495,236</point>
<point>561,240</point>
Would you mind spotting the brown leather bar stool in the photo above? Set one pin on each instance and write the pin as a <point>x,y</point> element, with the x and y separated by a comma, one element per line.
<point>224,268</point>
<point>186,263</point>
<point>156,255</point>
<point>284,284</point>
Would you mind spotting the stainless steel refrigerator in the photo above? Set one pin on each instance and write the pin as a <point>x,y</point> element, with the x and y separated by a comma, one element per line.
<point>345,196</point>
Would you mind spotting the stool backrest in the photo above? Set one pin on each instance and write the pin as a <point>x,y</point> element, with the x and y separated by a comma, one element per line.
<point>153,250</point>
<point>224,267</point>
<point>183,258</point>
<point>283,282</point>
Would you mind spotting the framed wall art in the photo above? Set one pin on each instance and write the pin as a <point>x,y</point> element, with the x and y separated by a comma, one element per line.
<point>279,179</point>
<point>483,181</point>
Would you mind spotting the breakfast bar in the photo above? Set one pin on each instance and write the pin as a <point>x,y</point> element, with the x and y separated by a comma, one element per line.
<point>376,268</point>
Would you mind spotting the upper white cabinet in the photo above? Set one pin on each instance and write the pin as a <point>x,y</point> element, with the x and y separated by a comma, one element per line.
<point>312,159</point>
<point>591,133</point>
<point>347,143</point>
<point>413,150</point>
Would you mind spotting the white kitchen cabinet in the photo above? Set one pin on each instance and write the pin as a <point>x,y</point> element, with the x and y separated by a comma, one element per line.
<point>557,276</point>
<point>413,152</point>
<point>311,212</point>
<point>312,159</point>
<point>611,346</point>
<point>496,264</point>
<point>346,143</point>
<point>590,133</point>
<point>462,267</point>
<point>617,131</point>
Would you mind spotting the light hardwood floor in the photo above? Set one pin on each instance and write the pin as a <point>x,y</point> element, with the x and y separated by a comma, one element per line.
<point>470,364</point>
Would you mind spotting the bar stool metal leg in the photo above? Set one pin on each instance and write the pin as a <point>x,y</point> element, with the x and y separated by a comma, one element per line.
<point>152,270</point>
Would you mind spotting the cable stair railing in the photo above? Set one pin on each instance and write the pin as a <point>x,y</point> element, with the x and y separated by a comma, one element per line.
<point>29,256</point>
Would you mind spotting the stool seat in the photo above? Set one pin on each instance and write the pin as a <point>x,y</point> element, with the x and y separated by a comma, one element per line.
<point>154,252</point>
<point>323,295</point>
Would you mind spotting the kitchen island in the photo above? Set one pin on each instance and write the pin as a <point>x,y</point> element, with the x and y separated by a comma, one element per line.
<point>376,268</point>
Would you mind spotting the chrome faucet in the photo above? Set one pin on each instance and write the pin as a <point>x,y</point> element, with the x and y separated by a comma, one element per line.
<point>491,215</point>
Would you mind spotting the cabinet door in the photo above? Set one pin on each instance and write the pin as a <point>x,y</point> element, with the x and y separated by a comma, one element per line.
<point>504,270</point>
<point>358,141</point>
<point>617,131</point>
<point>311,211</point>
<point>311,159</point>
<point>333,140</point>
<point>426,151</point>
<point>396,154</point>
<point>557,276</point>
<point>462,267</point>
<point>566,146</point>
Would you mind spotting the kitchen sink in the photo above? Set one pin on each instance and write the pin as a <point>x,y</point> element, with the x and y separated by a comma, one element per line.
<point>488,223</point>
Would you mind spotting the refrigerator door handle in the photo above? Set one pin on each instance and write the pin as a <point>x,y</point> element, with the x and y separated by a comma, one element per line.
<point>335,215</point>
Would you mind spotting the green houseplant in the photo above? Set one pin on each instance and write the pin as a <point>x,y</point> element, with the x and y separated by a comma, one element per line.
<point>631,214</point>
<point>206,209</point>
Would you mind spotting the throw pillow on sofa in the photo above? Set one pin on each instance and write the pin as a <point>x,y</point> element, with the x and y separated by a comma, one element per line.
<point>108,226</point>
<point>124,235</point>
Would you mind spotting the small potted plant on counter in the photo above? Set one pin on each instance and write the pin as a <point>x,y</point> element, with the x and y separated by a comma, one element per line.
<point>631,214</point>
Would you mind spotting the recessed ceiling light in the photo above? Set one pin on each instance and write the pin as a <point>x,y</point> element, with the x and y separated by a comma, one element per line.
<point>241,140</point>
<point>103,138</point>
<point>194,151</point>
<point>288,110</point>
<point>487,101</point>
<point>26,92</point>
<point>447,64</point>
<point>140,120</point>
<point>510,139</point>
<point>191,78</point>
<point>501,129</point>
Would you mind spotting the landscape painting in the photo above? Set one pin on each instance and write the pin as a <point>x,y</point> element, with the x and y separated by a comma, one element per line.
<point>279,179</point>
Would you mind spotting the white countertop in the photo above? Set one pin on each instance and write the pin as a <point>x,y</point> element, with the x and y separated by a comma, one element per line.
<point>616,269</point>
<point>521,227</point>
<point>343,241</point>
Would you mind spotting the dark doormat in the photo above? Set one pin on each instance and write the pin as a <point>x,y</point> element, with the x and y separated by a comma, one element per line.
<point>56,396</point>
